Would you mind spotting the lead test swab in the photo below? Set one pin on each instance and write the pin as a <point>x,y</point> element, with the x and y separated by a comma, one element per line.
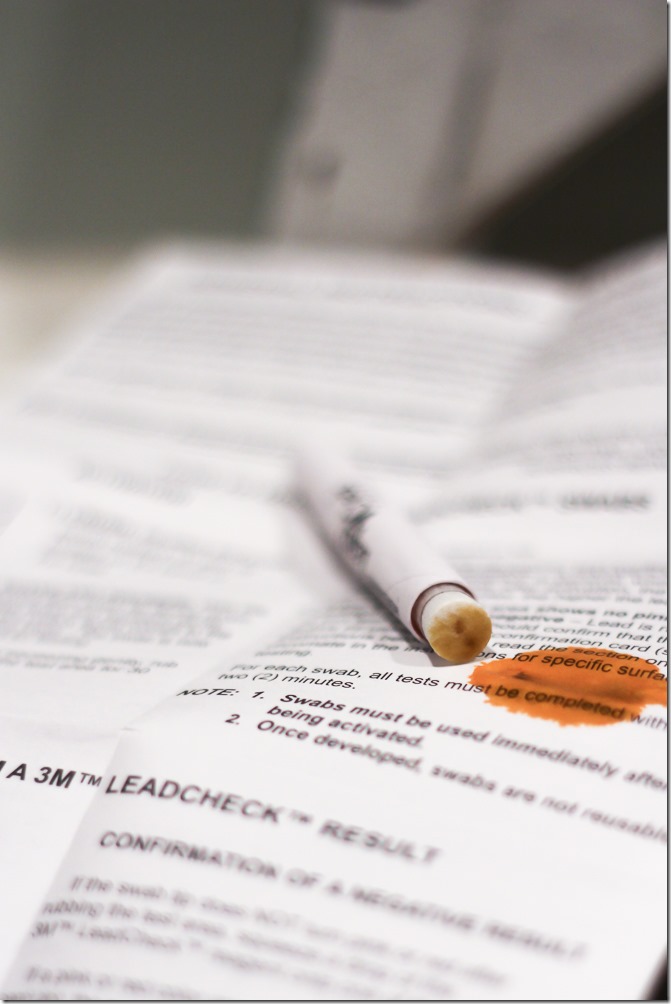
<point>385,551</point>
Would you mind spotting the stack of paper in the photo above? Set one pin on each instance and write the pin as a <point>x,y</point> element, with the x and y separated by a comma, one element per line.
<point>225,771</point>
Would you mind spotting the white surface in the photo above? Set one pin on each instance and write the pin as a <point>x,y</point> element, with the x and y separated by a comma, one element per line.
<point>39,293</point>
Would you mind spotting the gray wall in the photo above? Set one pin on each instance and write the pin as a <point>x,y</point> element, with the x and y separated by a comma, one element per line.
<point>128,119</point>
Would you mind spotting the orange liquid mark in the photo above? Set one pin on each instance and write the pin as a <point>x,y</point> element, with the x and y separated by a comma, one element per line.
<point>572,686</point>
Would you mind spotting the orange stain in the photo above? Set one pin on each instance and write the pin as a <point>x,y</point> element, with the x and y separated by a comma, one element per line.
<point>572,686</point>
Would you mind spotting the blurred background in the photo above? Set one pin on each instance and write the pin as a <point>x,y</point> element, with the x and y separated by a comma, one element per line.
<point>395,123</point>
<point>530,130</point>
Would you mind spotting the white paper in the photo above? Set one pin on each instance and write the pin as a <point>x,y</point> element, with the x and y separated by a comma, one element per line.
<point>168,540</point>
<point>388,834</point>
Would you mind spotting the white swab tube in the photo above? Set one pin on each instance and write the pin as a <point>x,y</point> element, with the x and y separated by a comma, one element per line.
<point>386,552</point>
